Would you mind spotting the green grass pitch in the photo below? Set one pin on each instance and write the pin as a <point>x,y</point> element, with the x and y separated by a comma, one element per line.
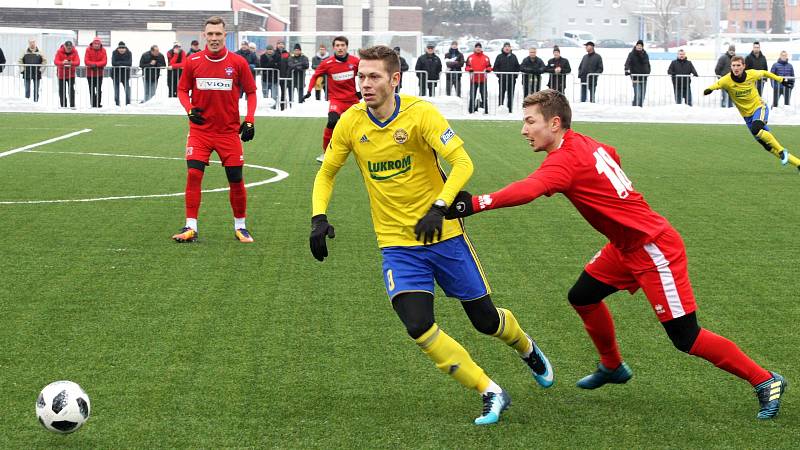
<point>219,344</point>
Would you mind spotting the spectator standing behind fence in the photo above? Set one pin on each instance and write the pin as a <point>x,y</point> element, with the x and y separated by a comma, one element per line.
<point>151,63</point>
<point>477,65</point>
<point>454,60</point>
<point>637,66</point>
<point>532,68</point>
<point>722,68</point>
<point>782,67</point>
<point>95,59</point>
<point>66,61</point>
<point>269,75</point>
<point>31,70</point>
<point>757,61</point>
<point>2,61</point>
<point>320,85</point>
<point>589,69</point>
<point>251,58</point>
<point>176,59</point>
<point>558,68</point>
<point>403,69</point>
<point>282,59</point>
<point>194,47</point>
<point>298,64</point>
<point>506,67</point>
<point>429,68</point>
<point>681,70</point>
<point>121,62</point>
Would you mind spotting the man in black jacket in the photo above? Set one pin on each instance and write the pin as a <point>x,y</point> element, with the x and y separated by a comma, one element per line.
<point>532,68</point>
<point>151,63</point>
<point>558,68</point>
<point>721,69</point>
<point>454,60</point>
<point>757,61</point>
<point>637,66</point>
<point>2,61</point>
<point>282,60</point>
<point>32,62</point>
<point>298,64</point>
<point>403,68</point>
<point>681,70</point>
<point>506,67</point>
<point>269,75</point>
<point>429,68</point>
<point>589,70</point>
<point>121,62</point>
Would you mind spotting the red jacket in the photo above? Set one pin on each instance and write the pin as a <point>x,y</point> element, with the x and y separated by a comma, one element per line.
<point>61,57</point>
<point>176,60</point>
<point>95,60</point>
<point>477,64</point>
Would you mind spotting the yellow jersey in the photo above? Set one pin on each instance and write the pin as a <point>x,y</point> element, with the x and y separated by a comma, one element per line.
<point>399,161</point>
<point>744,94</point>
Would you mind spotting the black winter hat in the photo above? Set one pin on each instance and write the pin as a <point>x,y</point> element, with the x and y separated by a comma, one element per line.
<point>297,47</point>
<point>121,45</point>
<point>640,42</point>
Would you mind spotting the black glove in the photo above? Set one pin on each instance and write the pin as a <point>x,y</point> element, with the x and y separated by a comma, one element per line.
<point>461,206</point>
<point>247,130</point>
<point>196,117</point>
<point>358,94</point>
<point>707,92</point>
<point>789,83</point>
<point>320,228</point>
<point>430,224</point>
<point>308,94</point>
<point>627,73</point>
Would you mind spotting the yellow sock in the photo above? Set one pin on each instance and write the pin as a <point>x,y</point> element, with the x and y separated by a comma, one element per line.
<point>451,358</point>
<point>794,160</point>
<point>769,139</point>
<point>511,333</point>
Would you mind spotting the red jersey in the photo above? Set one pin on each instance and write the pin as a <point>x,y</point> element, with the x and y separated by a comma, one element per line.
<point>588,173</point>
<point>215,82</point>
<point>341,78</point>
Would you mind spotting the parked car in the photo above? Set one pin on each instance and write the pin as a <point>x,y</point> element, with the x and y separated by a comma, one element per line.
<point>613,43</point>
<point>495,45</point>
<point>561,42</point>
<point>578,37</point>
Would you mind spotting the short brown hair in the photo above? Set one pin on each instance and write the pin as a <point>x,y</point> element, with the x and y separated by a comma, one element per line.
<point>214,20</point>
<point>341,39</point>
<point>391,62</point>
<point>737,58</point>
<point>551,103</point>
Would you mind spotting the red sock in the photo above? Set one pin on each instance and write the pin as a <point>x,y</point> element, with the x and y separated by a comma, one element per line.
<point>238,197</point>
<point>194,183</point>
<point>326,138</point>
<point>726,355</point>
<point>598,323</point>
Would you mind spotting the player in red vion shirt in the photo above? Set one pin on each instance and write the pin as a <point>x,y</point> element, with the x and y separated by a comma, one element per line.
<point>209,92</point>
<point>341,69</point>
<point>644,251</point>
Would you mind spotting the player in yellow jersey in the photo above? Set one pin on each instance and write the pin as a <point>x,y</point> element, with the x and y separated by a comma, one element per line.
<point>740,84</point>
<point>396,141</point>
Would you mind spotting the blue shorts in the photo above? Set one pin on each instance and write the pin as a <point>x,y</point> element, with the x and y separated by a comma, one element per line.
<point>761,114</point>
<point>452,263</point>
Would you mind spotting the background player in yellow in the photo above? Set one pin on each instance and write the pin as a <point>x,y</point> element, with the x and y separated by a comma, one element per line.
<point>740,84</point>
<point>396,140</point>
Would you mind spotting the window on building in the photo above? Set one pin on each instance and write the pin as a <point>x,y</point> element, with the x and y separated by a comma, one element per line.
<point>581,2</point>
<point>762,4</point>
<point>598,2</point>
<point>616,3</point>
<point>748,25</point>
<point>792,3</point>
<point>589,21</point>
<point>736,4</point>
<point>623,21</point>
<point>683,3</point>
<point>606,21</point>
<point>748,4</point>
<point>571,21</point>
<point>761,24</point>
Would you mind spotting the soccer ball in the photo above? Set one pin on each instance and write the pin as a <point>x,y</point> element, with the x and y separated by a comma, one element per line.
<point>62,407</point>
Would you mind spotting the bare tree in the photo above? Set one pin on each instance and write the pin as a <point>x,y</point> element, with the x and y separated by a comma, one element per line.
<point>525,15</point>
<point>778,16</point>
<point>667,16</point>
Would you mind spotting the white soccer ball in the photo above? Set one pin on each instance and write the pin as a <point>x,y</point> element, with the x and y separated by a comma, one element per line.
<point>62,406</point>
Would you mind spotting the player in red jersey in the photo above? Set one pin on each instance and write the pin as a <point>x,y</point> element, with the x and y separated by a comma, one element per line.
<point>341,71</point>
<point>209,92</point>
<point>644,251</point>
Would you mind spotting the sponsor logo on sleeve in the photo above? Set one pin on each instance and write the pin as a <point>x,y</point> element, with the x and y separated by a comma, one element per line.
<point>447,135</point>
<point>214,84</point>
<point>484,201</point>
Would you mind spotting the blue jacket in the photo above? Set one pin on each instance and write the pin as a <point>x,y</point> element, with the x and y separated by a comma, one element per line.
<point>783,69</point>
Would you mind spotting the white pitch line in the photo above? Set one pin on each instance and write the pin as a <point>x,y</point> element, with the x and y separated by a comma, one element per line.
<point>280,175</point>
<point>39,144</point>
